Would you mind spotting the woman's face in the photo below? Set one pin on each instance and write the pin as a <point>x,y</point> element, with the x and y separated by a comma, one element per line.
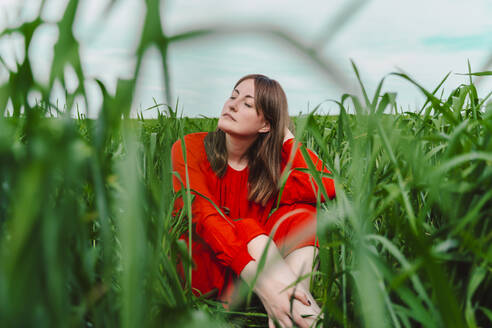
<point>239,116</point>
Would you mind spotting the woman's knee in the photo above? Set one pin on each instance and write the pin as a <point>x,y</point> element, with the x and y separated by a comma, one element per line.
<point>293,227</point>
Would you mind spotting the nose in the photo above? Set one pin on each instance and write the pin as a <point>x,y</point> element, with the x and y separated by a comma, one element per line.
<point>233,105</point>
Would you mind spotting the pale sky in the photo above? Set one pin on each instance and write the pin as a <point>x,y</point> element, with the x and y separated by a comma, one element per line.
<point>426,39</point>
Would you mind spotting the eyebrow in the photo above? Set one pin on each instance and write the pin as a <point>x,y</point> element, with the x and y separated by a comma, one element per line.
<point>247,96</point>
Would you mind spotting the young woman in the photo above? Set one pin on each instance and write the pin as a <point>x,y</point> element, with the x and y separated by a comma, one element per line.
<point>234,174</point>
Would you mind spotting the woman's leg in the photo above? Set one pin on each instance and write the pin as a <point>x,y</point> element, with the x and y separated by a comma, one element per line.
<point>294,231</point>
<point>208,276</point>
<point>293,228</point>
<point>301,262</point>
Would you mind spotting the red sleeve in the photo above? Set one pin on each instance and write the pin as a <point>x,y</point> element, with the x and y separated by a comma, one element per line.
<point>301,186</point>
<point>219,232</point>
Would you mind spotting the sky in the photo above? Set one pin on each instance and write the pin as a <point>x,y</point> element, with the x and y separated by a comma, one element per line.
<point>426,39</point>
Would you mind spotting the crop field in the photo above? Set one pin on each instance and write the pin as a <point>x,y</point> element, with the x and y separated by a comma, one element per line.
<point>88,237</point>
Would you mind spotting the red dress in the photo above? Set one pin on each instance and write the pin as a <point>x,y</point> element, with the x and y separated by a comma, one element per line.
<point>219,245</point>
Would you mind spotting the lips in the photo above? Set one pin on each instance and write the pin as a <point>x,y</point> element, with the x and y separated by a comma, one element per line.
<point>229,116</point>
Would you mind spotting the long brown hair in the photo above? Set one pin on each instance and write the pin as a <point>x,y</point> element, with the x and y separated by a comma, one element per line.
<point>264,155</point>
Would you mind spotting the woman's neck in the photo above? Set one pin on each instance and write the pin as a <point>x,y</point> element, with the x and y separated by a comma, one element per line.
<point>237,148</point>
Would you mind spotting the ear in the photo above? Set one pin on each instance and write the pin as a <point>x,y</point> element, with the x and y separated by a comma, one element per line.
<point>265,128</point>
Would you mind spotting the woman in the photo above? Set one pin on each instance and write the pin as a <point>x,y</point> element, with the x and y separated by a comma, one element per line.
<point>234,174</point>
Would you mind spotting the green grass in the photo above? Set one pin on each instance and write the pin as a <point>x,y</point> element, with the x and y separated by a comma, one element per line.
<point>88,237</point>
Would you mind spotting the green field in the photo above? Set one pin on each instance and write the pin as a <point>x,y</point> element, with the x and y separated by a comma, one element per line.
<point>88,239</point>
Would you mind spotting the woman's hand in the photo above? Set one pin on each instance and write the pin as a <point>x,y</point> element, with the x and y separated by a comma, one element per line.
<point>287,134</point>
<point>286,305</point>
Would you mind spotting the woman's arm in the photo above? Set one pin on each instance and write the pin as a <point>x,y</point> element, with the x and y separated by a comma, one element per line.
<point>227,238</point>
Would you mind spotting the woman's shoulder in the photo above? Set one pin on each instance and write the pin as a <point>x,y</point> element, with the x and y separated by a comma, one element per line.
<point>192,139</point>
<point>195,138</point>
<point>193,143</point>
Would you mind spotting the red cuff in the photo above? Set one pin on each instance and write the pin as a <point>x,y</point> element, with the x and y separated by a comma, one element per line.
<point>248,229</point>
<point>240,261</point>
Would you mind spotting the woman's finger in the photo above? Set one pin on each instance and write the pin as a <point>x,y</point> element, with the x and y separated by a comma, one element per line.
<point>271,324</point>
<point>285,321</point>
<point>307,313</point>
<point>302,297</point>
<point>300,321</point>
<point>315,305</point>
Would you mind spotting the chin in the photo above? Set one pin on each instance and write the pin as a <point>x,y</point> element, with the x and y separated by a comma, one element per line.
<point>224,126</point>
